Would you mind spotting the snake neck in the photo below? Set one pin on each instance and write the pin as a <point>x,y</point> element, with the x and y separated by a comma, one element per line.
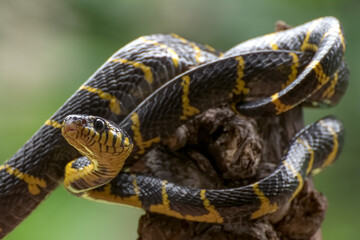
<point>98,167</point>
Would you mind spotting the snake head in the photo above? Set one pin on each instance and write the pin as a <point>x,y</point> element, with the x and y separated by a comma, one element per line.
<point>102,141</point>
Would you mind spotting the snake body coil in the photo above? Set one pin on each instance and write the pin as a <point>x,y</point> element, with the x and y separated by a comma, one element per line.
<point>316,146</point>
<point>157,82</point>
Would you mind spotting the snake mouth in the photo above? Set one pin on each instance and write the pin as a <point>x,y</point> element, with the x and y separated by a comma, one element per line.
<point>70,130</point>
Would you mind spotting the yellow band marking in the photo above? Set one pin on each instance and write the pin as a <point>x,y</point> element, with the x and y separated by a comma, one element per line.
<point>274,46</point>
<point>332,155</point>
<point>174,55</point>
<point>330,91</point>
<point>85,174</point>
<point>279,106</point>
<point>273,43</point>
<point>210,48</point>
<point>126,142</point>
<point>135,186</point>
<point>114,103</point>
<point>148,75</point>
<point>164,208</point>
<point>179,37</point>
<point>140,143</point>
<point>34,183</point>
<point>198,56</point>
<point>266,207</point>
<point>271,39</point>
<point>233,107</point>
<point>294,70</point>
<point>107,196</point>
<point>306,46</point>
<point>188,110</point>
<point>311,152</point>
<point>240,83</point>
<point>165,197</point>
<point>298,176</point>
<point>319,72</point>
<point>53,123</point>
<point>213,213</point>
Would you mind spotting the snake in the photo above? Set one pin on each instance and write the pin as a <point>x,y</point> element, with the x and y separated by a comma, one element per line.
<point>103,143</point>
<point>151,86</point>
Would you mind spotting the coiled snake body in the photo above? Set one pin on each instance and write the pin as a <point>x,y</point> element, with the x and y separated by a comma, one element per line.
<point>153,85</point>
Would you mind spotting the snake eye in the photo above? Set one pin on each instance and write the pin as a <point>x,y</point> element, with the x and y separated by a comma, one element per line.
<point>99,125</point>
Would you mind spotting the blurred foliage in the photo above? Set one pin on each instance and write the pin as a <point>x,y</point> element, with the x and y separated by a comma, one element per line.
<point>49,48</point>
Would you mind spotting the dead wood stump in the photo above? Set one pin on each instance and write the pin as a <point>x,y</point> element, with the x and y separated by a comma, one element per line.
<point>219,149</point>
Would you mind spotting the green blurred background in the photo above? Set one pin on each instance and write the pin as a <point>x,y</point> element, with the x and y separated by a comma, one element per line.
<point>49,48</point>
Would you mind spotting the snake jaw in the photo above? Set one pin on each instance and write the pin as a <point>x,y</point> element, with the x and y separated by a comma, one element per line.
<point>104,144</point>
<point>73,132</point>
<point>70,130</point>
<point>72,126</point>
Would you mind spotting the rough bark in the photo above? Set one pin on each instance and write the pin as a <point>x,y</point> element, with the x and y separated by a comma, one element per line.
<point>219,149</point>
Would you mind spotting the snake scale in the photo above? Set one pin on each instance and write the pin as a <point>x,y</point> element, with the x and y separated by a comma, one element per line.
<point>154,84</point>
